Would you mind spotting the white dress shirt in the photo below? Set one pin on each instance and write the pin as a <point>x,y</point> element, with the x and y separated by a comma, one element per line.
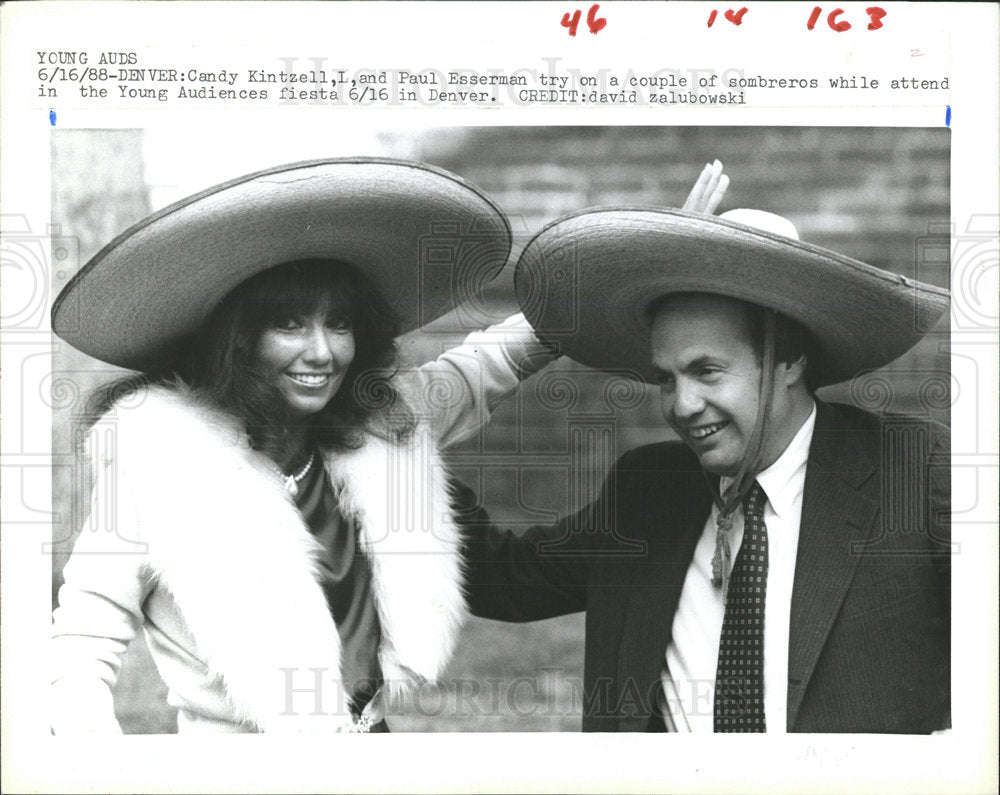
<point>692,655</point>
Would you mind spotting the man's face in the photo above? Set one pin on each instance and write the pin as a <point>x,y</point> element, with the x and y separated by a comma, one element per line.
<point>709,375</point>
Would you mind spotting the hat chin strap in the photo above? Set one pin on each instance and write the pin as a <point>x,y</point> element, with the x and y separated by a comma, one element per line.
<point>749,467</point>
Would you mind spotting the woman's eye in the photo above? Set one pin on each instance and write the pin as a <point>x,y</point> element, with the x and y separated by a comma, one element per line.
<point>338,323</point>
<point>287,324</point>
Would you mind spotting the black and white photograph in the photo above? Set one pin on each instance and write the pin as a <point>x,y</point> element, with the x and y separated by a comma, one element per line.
<point>504,438</point>
<point>609,376</point>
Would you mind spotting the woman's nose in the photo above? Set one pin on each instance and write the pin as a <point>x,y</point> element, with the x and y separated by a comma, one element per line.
<point>319,348</point>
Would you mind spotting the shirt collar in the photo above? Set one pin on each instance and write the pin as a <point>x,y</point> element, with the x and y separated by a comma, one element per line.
<point>779,480</point>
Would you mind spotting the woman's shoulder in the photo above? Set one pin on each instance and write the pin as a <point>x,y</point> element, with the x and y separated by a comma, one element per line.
<point>168,409</point>
<point>164,441</point>
<point>169,423</point>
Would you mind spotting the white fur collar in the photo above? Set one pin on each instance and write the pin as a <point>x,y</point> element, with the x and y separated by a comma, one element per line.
<point>227,542</point>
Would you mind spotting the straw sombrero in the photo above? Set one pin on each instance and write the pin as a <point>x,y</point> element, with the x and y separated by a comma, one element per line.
<point>585,282</point>
<point>425,237</point>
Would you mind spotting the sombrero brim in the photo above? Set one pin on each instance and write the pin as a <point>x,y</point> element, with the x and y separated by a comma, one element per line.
<point>426,238</point>
<point>586,280</point>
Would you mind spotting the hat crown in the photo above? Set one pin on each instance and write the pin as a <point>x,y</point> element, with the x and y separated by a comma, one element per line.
<point>764,221</point>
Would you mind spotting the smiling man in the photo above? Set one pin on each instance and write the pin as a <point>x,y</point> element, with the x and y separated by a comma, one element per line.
<point>707,361</point>
<point>785,566</point>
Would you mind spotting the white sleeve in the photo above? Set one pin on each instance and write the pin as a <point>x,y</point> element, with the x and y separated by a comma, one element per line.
<point>99,613</point>
<point>459,390</point>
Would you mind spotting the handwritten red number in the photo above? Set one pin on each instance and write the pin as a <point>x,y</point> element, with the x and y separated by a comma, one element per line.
<point>840,27</point>
<point>736,17</point>
<point>876,15</point>
<point>567,22</point>
<point>593,22</point>
<point>571,23</point>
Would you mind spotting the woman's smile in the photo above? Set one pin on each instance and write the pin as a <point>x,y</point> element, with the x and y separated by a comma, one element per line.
<point>306,357</point>
<point>310,379</point>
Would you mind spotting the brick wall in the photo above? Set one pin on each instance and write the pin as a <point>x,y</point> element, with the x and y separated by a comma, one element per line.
<point>868,193</point>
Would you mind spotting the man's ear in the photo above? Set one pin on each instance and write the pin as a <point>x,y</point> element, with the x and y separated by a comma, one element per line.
<point>793,372</point>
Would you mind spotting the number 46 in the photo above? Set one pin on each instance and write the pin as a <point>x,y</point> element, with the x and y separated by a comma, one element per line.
<point>593,22</point>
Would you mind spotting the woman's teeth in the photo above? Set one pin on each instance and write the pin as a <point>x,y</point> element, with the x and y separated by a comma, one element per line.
<point>309,380</point>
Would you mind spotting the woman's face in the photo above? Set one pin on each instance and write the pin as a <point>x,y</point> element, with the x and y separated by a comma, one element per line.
<point>306,357</point>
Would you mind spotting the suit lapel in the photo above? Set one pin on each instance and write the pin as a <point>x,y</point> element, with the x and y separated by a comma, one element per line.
<point>674,520</point>
<point>838,508</point>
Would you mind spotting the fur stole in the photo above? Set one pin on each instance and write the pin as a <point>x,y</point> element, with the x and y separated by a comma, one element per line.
<point>225,539</point>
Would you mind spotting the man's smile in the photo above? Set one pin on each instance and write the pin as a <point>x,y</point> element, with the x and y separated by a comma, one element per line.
<point>704,431</point>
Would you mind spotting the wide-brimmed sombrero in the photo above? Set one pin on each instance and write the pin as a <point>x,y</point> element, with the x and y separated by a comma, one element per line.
<point>425,237</point>
<point>586,281</point>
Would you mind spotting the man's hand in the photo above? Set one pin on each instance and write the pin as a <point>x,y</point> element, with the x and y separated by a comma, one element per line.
<point>708,190</point>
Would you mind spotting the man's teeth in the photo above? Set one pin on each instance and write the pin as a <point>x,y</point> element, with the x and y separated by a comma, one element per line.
<point>309,380</point>
<point>705,430</point>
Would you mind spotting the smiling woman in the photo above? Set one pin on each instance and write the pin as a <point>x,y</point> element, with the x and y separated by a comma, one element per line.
<point>305,319</point>
<point>280,473</point>
<point>305,332</point>
<point>281,351</point>
<point>306,357</point>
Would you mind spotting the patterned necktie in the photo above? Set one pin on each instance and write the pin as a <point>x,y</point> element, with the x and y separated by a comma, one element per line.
<point>739,678</point>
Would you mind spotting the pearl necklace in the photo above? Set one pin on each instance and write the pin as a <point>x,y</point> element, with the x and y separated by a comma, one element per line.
<point>292,481</point>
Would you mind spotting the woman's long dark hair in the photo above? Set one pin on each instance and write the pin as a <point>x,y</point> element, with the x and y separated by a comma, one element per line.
<point>218,362</point>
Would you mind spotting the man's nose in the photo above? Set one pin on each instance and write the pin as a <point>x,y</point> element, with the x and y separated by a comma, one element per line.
<point>688,401</point>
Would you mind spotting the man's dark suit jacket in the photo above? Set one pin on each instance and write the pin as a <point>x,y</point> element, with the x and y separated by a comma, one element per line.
<point>869,647</point>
